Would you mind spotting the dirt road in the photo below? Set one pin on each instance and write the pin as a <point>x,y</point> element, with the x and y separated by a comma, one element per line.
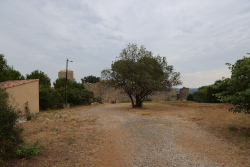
<point>159,134</point>
<point>147,138</point>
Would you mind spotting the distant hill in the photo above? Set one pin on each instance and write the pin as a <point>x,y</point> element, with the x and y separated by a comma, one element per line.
<point>191,90</point>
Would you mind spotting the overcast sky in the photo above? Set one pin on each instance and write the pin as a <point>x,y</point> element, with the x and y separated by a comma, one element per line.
<point>197,37</point>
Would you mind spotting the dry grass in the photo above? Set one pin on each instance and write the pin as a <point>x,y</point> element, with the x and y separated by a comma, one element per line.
<point>71,138</point>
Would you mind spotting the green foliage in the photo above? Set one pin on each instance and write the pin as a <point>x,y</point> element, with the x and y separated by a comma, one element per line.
<point>55,98</point>
<point>206,94</point>
<point>148,99</point>
<point>25,151</point>
<point>29,117</point>
<point>168,98</point>
<point>44,79</point>
<point>7,72</point>
<point>50,98</point>
<point>90,79</point>
<point>78,96</point>
<point>190,97</point>
<point>60,83</point>
<point>138,73</point>
<point>98,99</point>
<point>12,74</point>
<point>238,87</point>
<point>10,134</point>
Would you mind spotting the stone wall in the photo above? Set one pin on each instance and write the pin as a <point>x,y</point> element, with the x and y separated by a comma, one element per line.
<point>109,94</point>
<point>164,96</point>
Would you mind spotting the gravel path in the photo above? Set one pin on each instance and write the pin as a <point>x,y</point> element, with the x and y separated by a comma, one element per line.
<point>139,140</point>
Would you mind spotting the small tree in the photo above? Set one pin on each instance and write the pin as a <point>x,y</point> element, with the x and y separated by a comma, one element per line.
<point>139,74</point>
<point>238,86</point>
<point>90,79</point>
<point>43,78</point>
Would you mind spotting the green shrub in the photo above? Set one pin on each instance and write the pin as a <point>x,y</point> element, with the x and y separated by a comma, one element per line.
<point>148,99</point>
<point>11,142</point>
<point>25,151</point>
<point>50,98</point>
<point>10,134</point>
<point>168,98</point>
<point>29,117</point>
<point>79,96</point>
<point>98,99</point>
<point>190,97</point>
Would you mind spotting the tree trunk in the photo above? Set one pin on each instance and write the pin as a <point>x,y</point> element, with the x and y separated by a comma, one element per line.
<point>132,101</point>
<point>138,102</point>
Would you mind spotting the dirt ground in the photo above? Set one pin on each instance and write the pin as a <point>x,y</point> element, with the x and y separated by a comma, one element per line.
<point>159,134</point>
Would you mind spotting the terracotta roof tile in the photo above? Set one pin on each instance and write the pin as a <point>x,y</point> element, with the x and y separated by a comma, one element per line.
<point>13,83</point>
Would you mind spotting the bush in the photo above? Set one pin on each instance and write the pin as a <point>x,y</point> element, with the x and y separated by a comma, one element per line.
<point>11,142</point>
<point>98,99</point>
<point>148,99</point>
<point>190,97</point>
<point>80,96</point>
<point>29,116</point>
<point>10,134</point>
<point>25,151</point>
<point>168,98</point>
<point>50,98</point>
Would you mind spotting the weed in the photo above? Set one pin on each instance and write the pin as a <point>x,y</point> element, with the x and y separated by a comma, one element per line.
<point>232,128</point>
<point>168,98</point>
<point>70,141</point>
<point>55,129</point>
<point>29,117</point>
<point>25,151</point>
<point>247,134</point>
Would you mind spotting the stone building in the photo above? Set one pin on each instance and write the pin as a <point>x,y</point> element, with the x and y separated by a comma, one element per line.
<point>184,92</point>
<point>62,74</point>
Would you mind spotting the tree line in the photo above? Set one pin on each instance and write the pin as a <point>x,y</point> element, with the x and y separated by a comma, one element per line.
<point>234,90</point>
<point>49,98</point>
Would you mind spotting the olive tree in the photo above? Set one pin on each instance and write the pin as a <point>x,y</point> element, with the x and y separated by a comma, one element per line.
<point>139,74</point>
<point>238,86</point>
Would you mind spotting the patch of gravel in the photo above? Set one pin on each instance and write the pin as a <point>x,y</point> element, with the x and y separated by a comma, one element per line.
<point>142,140</point>
<point>155,145</point>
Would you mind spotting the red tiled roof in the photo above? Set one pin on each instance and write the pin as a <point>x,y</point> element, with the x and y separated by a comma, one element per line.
<point>13,83</point>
